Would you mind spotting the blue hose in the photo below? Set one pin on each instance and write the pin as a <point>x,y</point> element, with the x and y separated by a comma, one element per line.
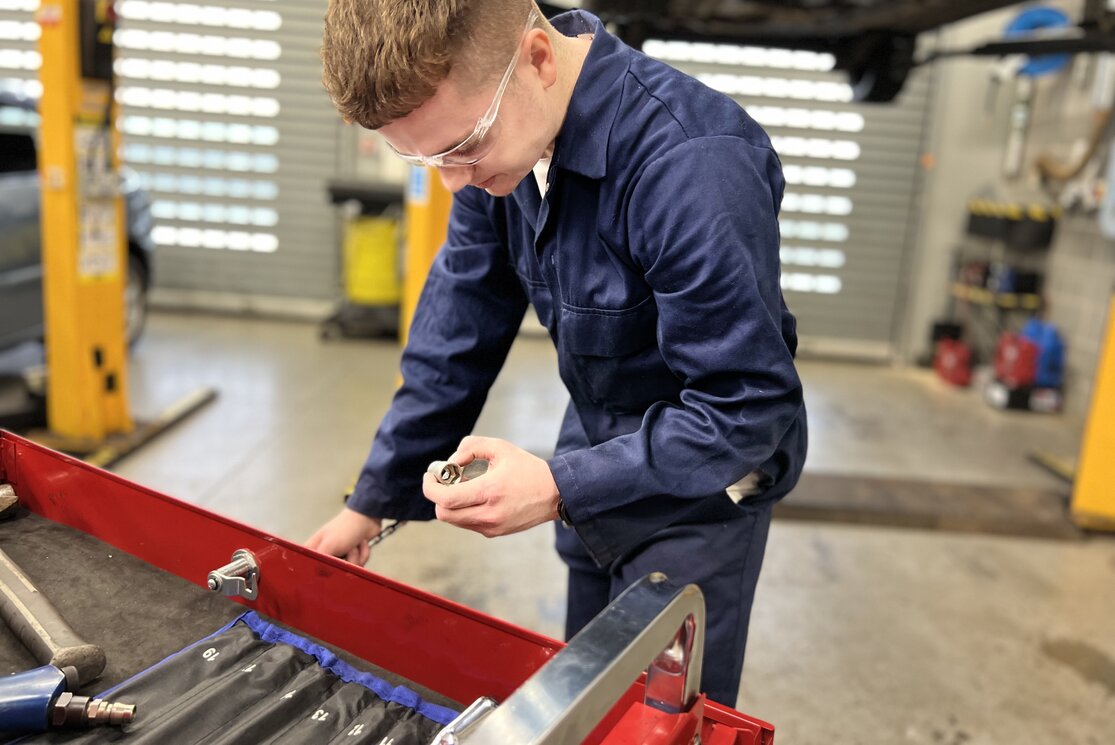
<point>25,698</point>
<point>1034,19</point>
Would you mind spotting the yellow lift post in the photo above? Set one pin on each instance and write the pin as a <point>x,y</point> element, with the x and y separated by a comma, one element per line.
<point>1093,494</point>
<point>84,239</point>
<point>427,222</point>
<point>83,233</point>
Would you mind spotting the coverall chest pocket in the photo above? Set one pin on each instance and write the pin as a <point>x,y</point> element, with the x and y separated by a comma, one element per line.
<point>612,356</point>
<point>539,295</point>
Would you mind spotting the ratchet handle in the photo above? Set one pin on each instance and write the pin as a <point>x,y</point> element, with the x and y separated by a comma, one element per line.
<point>36,622</point>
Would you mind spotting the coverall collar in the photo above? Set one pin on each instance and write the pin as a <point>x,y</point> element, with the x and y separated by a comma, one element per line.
<point>582,144</point>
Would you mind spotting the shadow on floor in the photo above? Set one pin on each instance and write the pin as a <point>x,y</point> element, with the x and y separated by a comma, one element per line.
<point>961,508</point>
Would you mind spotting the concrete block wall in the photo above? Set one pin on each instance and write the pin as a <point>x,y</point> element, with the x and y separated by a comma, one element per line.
<point>1080,272</point>
<point>1079,281</point>
<point>967,139</point>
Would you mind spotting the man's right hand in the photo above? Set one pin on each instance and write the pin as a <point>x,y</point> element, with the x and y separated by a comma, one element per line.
<point>346,536</point>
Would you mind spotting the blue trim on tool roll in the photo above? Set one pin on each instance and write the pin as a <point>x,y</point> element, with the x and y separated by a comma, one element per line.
<point>401,695</point>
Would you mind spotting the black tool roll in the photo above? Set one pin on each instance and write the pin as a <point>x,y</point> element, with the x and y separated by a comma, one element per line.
<point>254,682</point>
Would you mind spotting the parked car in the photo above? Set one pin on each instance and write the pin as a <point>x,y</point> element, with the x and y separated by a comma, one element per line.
<point>21,271</point>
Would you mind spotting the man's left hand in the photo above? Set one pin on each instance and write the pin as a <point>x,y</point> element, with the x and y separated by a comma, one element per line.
<point>517,492</point>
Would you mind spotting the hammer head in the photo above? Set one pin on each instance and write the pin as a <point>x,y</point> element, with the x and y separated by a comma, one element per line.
<point>9,502</point>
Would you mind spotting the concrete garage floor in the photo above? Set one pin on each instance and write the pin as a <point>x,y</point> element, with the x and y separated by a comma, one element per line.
<point>859,634</point>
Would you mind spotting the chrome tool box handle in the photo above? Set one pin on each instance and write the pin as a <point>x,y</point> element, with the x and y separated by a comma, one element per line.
<point>652,623</point>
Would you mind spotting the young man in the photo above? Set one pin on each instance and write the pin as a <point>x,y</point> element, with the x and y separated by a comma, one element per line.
<point>636,210</point>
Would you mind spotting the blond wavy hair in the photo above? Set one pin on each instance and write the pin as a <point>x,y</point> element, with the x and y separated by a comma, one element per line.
<point>382,59</point>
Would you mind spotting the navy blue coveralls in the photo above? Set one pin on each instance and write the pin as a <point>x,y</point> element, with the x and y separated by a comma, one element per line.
<point>653,261</point>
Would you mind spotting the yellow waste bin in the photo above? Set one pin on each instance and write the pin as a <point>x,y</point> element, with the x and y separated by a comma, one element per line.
<point>371,265</point>
<point>372,282</point>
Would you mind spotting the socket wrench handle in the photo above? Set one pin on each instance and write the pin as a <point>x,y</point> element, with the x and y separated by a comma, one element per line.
<point>38,624</point>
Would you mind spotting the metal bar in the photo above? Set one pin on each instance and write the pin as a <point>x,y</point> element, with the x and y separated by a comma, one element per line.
<point>652,622</point>
<point>116,450</point>
<point>1060,41</point>
<point>798,27</point>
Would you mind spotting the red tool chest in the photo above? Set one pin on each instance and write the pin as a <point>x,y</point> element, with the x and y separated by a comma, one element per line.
<point>458,652</point>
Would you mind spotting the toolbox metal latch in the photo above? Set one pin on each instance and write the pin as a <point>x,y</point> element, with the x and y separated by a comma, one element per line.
<point>238,578</point>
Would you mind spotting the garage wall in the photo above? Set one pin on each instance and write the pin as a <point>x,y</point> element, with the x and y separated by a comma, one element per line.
<point>224,117</point>
<point>967,145</point>
<point>852,177</point>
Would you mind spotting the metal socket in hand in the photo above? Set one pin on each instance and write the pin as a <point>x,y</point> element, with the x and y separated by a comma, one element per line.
<point>448,473</point>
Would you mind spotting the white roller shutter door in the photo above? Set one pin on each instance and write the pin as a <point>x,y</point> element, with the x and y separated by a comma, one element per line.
<point>224,117</point>
<point>851,179</point>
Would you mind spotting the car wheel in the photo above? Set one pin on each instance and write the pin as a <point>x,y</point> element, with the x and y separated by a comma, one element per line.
<point>135,301</point>
<point>879,66</point>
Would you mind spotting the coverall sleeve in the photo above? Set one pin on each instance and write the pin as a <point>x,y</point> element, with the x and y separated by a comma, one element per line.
<point>467,317</point>
<point>703,227</point>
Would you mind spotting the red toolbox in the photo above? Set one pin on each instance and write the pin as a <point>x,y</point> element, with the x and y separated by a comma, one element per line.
<point>953,362</point>
<point>1016,360</point>
<point>447,648</point>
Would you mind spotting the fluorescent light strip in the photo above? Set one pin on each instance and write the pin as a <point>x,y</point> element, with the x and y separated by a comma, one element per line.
<point>138,68</point>
<point>814,147</point>
<point>14,59</point>
<point>798,118</point>
<point>829,258</point>
<point>31,88</point>
<point>816,204</point>
<point>196,44</point>
<point>187,129</point>
<point>215,213</point>
<point>215,160</point>
<point>819,176</point>
<point>823,284</point>
<point>19,31</point>
<point>754,86</point>
<point>811,230</point>
<point>732,54</point>
<point>208,103</point>
<point>230,240</point>
<point>10,116</point>
<point>200,15</point>
<point>169,183</point>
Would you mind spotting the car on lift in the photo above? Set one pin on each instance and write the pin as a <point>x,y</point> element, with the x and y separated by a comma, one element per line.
<point>21,270</point>
<point>873,41</point>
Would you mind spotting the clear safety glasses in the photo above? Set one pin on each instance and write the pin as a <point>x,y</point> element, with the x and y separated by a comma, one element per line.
<point>477,145</point>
